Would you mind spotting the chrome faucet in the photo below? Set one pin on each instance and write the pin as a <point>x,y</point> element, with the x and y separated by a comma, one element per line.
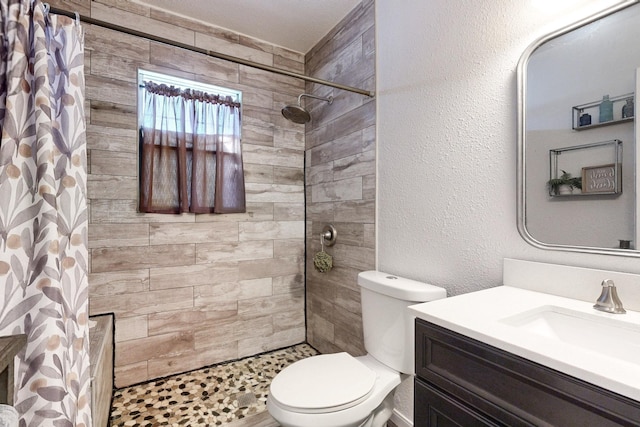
<point>608,300</point>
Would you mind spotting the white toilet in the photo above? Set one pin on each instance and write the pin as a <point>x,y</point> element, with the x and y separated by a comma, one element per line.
<point>339,390</point>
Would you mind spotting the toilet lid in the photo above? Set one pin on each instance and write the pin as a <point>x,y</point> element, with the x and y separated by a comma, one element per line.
<point>324,383</point>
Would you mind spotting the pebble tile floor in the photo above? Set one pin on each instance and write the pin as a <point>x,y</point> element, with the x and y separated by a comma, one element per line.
<point>232,394</point>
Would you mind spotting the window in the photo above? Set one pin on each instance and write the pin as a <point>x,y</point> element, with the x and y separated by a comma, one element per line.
<point>190,148</point>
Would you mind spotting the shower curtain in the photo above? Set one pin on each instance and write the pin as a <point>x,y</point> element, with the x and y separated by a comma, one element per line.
<point>43,212</point>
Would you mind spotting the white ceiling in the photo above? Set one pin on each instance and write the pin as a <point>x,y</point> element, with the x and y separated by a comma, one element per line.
<point>295,24</point>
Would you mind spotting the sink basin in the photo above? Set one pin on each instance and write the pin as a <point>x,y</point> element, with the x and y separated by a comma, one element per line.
<point>598,333</point>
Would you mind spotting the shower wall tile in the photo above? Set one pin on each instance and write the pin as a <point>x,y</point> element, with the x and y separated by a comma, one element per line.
<point>113,115</point>
<point>288,60</point>
<point>322,328</point>
<point>257,44</point>
<point>273,267</point>
<point>274,82</point>
<point>193,275</point>
<point>115,140</point>
<point>285,157</point>
<point>287,320</point>
<point>165,234</point>
<point>270,230</point>
<point>211,70</point>
<point>189,360</point>
<point>287,175</point>
<point>358,165</point>
<point>286,138</point>
<point>272,305</point>
<point>233,251</point>
<point>274,193</point>
<point>231,329</point>
<point>128,305</point>
<point>288,211</point>
<point>132,328</point>
<point>177,321</point>
<point>256,211</point>
<point>251,346</point>
<point>369,187</point>
<point>131,374</point>
<point>172,279</point>
<point>369,235</point>
<point>111,90</point>
<point>104,162</point>
<point>137,350</point>
<point>118,282</point>
<point>81,6</point>
<point>283,248</point>
<point>197,26</point>
<point>142,23</point>
<point>216,44</point>
<point>224,295</point>
<point>114,44</point>
<point>356,257</point>
<point>338,147</point>
<point>124,211</point>
<point>346,189</point>
<point>288,284</point>
<point>256,288</point>
<point>135,257</point>
<point>361,211</point>
<point>111,186</point>
<point>351,234</point>
<point>118,235</point>
<point>340,181</point>
<point>116,67</point>
<point>129,6</point>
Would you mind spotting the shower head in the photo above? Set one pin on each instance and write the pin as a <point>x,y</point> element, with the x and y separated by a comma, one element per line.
<point>297,113</point>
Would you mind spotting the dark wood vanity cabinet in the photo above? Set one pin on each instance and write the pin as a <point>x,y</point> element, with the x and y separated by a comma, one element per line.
<point>463,382</point>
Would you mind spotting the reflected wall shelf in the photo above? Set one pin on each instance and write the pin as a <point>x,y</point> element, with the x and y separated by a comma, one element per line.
<point>593,109</point>
<point>599,173</point>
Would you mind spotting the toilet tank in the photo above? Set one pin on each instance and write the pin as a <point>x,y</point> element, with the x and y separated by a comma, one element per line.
<point>387,325</point>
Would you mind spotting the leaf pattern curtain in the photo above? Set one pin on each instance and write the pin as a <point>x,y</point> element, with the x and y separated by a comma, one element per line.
<point>43,213</point>
<point>191,159</point>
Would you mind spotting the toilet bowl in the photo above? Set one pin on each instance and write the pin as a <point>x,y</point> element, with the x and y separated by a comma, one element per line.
<point>339,390</point>
<point>335,390</point>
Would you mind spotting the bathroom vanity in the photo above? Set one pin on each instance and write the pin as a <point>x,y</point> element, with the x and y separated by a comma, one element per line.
<point>516,356</point>
<point>464,382</point>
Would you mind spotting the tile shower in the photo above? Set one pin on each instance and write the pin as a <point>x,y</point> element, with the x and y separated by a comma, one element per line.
<point>208,289</point>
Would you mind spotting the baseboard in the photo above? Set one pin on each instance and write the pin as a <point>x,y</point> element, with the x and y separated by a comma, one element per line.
<point>400,420</point>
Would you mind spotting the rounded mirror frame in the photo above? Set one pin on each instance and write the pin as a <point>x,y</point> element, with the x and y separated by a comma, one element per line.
<point>521,140</point>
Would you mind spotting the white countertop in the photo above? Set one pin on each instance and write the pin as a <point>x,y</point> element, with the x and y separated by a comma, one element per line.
<point>479,315</point>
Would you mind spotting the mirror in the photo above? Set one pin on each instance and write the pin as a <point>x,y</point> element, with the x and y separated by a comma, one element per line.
<point>576,125</point>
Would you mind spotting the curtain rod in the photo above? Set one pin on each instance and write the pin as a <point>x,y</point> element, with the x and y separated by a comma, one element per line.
<point>207,52</point>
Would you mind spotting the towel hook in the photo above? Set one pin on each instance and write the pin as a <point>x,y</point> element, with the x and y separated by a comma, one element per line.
<point>329,235</point>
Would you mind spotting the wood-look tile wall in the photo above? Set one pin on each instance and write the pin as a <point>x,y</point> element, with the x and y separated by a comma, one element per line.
<point>340,180</point>
<point>188,291</point>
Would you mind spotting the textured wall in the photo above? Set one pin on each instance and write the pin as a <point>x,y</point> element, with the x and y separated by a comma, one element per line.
<point>189,291</point>
<point>446,101</point>
<point>340,180</point>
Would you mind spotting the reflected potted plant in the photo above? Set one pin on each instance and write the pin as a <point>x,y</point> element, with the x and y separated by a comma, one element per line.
<point>564,185</point>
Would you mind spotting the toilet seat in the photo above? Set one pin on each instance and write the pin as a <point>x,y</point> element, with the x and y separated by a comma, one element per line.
<point>323,383</point>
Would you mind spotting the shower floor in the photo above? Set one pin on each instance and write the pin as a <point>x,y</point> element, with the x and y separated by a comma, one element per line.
<point>232,394</point>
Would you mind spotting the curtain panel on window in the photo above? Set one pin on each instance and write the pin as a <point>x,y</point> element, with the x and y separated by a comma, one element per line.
<point>191,158</point>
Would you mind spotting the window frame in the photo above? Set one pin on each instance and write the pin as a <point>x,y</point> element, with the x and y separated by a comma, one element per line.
<point>182,84</point>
